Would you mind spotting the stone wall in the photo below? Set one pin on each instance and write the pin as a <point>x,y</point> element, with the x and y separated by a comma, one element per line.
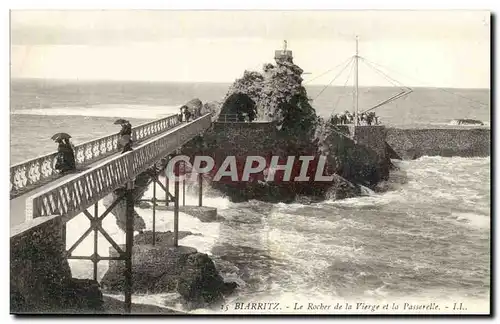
<point>38,268</point>
<point>40,276</point>
<point>465,142</point>
<point>242,139</point>
<point>361,161</point>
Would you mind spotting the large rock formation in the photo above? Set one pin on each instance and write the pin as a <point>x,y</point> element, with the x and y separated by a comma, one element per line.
<point>276,95</point>
<point>164,268</point>
<point>279,97</point>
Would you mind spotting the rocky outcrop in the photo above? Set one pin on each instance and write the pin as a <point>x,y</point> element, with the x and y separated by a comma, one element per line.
<point>466,122</point>
<point>342,189</point>
<point>83,296</point>
<point>279,97</point>
<point>276,95</point>
<point>353,160</point>
<point>200,284</point>
<point>164,268</point>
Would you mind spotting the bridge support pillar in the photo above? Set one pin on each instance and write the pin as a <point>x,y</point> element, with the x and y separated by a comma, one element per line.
<point>129,243</point>
<point>200,190</point>
<point>167,185</point>
<point>154,206</point>
<point>176,213</point>
<point>95,260</point>
<point>184,184</point>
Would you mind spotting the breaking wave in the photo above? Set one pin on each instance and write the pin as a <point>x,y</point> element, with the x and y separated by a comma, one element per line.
<point>104,110</point>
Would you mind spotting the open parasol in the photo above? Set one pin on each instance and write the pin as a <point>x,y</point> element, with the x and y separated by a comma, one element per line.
<point>194,104</point>
<point>120,121</point>
<point>60,136</point>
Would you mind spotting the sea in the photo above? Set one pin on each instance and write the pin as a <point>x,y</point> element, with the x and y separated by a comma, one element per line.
<point>423,239</point>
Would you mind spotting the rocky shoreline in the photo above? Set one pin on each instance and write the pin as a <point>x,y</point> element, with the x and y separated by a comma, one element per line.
<point>163,268</point>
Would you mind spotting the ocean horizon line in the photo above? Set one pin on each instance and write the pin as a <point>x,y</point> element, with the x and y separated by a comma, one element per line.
<point>227,83</point>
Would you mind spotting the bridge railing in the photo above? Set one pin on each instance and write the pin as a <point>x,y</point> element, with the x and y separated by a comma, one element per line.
<point>85,189</point>
<point>36,172</point>
<point>227,118</point>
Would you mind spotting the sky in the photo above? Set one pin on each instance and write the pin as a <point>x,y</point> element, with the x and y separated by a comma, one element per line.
<point>417,48</point>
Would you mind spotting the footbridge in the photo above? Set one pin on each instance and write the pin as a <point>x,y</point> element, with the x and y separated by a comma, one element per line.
<point>38,193</point>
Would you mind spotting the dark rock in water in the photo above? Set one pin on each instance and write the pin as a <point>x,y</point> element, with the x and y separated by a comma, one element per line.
<point>83,296</point>
<point>163,268</point>
<point>467,122</point>
<point>355,163</point>
<point>200,283</point>
<point>342,189</point>
<point>155,269</point>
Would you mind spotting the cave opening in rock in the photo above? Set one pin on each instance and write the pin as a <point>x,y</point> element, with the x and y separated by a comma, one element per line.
<point>238,107</point>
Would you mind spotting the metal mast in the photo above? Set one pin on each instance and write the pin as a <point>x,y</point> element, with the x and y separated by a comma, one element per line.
<point>356,84</point>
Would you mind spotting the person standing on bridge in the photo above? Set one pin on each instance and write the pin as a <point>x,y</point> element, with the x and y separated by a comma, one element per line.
<point>126,137</point>
<point>187,114</point>
<point>65,156</point>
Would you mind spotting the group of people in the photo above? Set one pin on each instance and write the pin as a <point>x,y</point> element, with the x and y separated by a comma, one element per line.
<point>347,117</point>
<point>186,114</point>
<point>65,160</point>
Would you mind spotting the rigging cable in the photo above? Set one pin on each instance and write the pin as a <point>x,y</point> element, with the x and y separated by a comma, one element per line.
<point>350,61</point>
<point>345,84</point>
<point>404,89</point>
<point>341,64</point>
<point>441,89</point>
<point>391,80</point>
<point>399,83</point>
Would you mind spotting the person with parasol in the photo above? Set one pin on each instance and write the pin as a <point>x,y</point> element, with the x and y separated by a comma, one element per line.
<point>65,161</point>
<point>125,135</point>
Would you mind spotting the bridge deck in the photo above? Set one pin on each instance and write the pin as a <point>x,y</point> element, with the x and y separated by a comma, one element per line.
<point>18,204</point>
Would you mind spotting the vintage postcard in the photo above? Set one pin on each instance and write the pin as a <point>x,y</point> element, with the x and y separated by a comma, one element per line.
<point>250,162</point>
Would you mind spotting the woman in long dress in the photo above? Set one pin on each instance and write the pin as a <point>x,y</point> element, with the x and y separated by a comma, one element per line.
<point>65,157</point>
<point>126,137</point>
